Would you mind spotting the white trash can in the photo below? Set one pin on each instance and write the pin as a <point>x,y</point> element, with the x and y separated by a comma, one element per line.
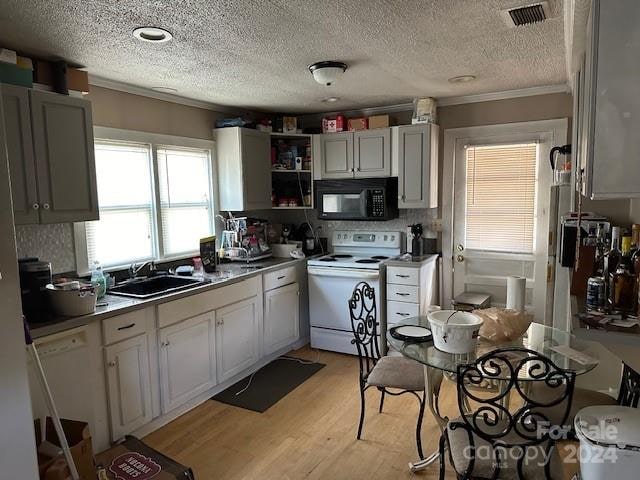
<point>609,442</point>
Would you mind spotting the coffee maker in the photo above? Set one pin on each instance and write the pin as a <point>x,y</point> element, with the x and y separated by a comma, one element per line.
<point>34,277</point>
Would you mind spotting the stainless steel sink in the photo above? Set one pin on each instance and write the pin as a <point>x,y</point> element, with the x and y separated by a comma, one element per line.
<point>153,286</point>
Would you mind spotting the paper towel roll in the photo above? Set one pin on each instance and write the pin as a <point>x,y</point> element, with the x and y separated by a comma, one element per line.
<point>516,290</point>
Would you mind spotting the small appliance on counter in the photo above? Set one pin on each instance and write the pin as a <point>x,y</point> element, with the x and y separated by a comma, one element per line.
<point>245,239</point>
<point>35,275</point>
<point>417,244</point>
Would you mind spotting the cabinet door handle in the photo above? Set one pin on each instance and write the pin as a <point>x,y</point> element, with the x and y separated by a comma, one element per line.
<point>35,206</point>
<point>358,168</point>
<point>126,327</point>
<point>165,343</point>
<point>111,364</point>
<point>402,294</point>
<point>46,206</point>
<point>402,314</point>
<point>401,276</point>
<point>280,278</point>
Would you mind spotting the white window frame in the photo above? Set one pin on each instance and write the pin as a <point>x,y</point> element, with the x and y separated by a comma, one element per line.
<point>554,130</point>
<point>154,140</point>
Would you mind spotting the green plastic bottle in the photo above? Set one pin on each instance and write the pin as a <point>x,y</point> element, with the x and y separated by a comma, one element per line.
<point>98,280</point>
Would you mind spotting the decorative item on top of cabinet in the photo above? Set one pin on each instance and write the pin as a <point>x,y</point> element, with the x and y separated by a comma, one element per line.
<point>51,156</point>
<point>244,169</point>
<point>608,106</point>
<point>360,154</point>
<point>415,152</point>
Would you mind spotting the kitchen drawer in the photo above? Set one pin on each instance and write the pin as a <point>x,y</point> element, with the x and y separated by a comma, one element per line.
<point>403,275</point>
<point>403,293</point>
<point>279,278</point>
<point>398,311</point>
<point>125,326</point>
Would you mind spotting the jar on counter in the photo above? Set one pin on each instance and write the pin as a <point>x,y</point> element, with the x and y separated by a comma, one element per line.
<point>596,298</point>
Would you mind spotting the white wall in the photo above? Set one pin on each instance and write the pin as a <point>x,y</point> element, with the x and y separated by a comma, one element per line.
<point>17,444</point>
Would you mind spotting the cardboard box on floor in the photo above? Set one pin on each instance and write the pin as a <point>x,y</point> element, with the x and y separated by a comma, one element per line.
<point>79,440</point>
<point>133,459</point>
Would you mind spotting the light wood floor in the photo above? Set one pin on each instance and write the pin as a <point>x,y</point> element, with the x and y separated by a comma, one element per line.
<point>309,434</point>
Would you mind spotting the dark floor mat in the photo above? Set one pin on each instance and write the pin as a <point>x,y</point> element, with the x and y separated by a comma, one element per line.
<point>269,384</point>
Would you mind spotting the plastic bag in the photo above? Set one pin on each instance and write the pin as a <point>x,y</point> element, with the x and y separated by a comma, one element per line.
<point>503,325</point>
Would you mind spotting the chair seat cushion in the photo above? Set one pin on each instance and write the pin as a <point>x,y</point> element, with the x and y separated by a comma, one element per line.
<point>581,398</point>
<point>485,464</point>
<point>397,372</point>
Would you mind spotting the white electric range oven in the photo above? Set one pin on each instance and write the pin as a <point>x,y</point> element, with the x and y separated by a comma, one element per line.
<point>358,256</point>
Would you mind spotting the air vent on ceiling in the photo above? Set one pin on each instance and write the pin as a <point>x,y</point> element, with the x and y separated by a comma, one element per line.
<point>526,15</point>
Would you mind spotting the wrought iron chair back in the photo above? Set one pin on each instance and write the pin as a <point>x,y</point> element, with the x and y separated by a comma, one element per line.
<point>629,395</point>
<point>364,324</point>
<point>512,431</point>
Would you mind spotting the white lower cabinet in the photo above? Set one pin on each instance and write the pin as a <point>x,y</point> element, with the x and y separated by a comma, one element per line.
<point>187,360</point>
<point>128,385</point>
<point>237,337</point>
<point>281,317</point>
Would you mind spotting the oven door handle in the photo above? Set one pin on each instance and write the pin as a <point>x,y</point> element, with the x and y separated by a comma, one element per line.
<point>342,272</point>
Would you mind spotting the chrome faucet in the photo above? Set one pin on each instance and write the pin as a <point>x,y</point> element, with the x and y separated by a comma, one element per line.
<point>134,269</point>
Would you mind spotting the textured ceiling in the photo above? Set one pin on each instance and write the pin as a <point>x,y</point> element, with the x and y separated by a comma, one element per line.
<point>255,53</point>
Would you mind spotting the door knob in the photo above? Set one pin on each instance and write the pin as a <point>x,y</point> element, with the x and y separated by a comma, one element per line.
<point>460,247</point>
<point>35,206</point>
<point>460,258</point>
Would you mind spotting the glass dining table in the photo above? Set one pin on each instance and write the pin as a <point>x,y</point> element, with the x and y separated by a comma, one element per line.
<point>562,348</point>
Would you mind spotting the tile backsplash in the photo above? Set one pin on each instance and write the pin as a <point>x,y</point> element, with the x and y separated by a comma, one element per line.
<point>51,242</point>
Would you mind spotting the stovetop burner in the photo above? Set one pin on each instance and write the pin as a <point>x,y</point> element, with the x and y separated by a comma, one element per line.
<point>367,260</point>
<point>341,255</point>
<point>328,259</point>
<point>379,257</point>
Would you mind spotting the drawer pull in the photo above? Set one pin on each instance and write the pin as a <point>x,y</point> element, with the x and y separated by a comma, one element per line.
<point>402,276</point>
<point>403,294</point>
<point>126,327</point>
<point>280,278</point>
<point>403,314</point>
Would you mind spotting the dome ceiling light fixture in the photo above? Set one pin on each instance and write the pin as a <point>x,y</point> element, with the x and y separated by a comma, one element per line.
<point>327,72</point>
<point>152,34</point>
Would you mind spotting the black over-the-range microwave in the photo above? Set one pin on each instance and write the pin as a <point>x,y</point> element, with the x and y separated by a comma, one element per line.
<point>357,199</point>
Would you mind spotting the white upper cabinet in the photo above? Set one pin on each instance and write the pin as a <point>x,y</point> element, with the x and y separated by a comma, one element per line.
<point>361,154</point>
<point>337,155</point>
<point>415,151</point>
<point>244,169</point>
<point>51,156</point>
<point>372,153</point>
<point>608,146</point>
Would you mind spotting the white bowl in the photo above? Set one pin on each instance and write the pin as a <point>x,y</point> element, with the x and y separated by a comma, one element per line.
<point>453,331</point>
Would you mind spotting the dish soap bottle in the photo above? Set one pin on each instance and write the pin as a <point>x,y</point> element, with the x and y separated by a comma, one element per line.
<point>98,280</point>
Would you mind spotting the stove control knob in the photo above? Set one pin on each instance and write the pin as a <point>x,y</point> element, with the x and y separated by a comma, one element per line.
<point>385,238</point>
<point>393,237</point>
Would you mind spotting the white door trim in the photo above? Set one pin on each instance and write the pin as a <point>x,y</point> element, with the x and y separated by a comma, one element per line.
<point>555,128</point>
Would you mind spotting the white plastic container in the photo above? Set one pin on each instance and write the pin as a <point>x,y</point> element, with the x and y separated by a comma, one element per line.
<point>609,442</point>
<point>453,331</point>
<point>71,303</point>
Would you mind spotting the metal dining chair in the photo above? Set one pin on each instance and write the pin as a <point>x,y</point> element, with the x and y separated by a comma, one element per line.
<point>401,374</point>
<point>628,396</point>
<point>493,441</point>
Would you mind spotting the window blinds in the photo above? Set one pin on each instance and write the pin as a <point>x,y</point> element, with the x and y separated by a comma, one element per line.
<point>501,197</point>
<point>185,203</point>
<point>124,232</point>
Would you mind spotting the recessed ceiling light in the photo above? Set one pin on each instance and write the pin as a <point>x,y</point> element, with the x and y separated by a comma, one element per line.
<point>152,34</point>
<point>330,99</point>
<point>164,89</point>
<point>462,79</point>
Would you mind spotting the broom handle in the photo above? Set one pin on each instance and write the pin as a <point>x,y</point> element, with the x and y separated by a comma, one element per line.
<point>54,412</point>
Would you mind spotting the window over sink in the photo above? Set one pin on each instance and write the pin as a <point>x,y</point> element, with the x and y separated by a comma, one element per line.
<point>155,196</point>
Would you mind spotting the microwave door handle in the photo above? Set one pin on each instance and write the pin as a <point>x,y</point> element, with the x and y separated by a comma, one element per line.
<point>364,200</point>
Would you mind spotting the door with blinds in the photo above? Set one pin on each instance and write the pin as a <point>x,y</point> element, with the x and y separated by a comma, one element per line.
<point>501,216</point>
